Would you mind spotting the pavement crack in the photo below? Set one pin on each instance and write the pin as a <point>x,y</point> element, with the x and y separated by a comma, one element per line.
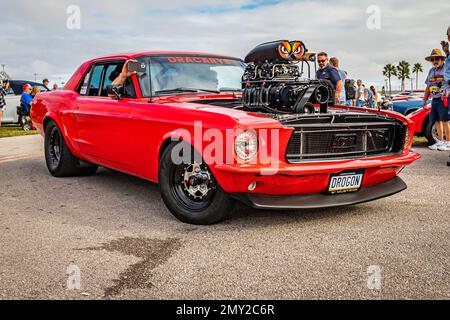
<point>153,252</point>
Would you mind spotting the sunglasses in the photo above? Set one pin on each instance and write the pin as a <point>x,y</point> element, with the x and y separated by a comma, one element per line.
<point>435,59</point>
<point>321,61</point>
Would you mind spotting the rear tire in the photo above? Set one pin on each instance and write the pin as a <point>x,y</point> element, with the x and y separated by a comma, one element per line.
<point>178,184</point>
<point>428,132</point>
<point>60,161</point>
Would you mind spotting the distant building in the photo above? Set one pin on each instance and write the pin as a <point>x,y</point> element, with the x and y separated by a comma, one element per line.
<point>4,76</point>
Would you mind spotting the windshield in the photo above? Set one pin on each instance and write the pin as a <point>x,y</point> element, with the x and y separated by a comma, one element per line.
<point>188,73</point>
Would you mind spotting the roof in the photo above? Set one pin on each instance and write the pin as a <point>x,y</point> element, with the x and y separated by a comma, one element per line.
<point>132,55</point>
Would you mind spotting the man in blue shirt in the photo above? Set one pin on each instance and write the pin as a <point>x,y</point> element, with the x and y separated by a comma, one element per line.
<point>327,72</point>
<point>26,99</point>
<point>334,62</point>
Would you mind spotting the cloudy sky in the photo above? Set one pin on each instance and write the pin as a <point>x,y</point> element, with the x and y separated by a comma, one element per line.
<point>35,38</point>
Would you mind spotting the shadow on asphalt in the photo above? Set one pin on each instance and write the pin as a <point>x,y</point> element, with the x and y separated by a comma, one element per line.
<point>142,191</point>
<point>148,208</point>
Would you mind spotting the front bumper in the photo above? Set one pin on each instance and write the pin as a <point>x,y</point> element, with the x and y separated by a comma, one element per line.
<point>308,178</point>
<point>320,200</point>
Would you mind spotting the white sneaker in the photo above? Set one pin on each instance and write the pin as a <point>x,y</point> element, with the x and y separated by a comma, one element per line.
<point>436,145</point>
<point>445,146</point>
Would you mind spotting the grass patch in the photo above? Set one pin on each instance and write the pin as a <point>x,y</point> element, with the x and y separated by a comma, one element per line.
<point>420,141</point>
<point>14,130</point>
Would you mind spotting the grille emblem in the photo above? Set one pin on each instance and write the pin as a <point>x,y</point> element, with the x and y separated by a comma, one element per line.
<point>343,141</point>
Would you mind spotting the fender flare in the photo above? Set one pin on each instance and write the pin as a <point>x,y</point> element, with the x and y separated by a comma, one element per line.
<point>50,116</point>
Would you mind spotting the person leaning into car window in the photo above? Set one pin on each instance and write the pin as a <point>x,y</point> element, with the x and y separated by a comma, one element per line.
<point>327,72</point>
<point>3,88</point>
<point>119,78</point>
<point>122,77</point>
<point>26,99</point>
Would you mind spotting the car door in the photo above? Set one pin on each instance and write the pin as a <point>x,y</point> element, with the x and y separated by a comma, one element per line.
<point>103,123</point>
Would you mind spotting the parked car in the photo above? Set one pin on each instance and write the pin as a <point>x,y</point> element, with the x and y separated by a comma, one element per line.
<point>11,114</point>
<point>408,95</point>
<point>407,107</point>
<point>423,126</point>
<point>334,156</point>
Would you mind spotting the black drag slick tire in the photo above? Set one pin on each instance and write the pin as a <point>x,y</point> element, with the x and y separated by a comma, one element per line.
<point>178,184</point>
<point>58,157</point>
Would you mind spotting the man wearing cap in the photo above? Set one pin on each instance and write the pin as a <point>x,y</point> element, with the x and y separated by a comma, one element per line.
<point>26,99</point>
<point>327,72</point>
<point>435,88</point>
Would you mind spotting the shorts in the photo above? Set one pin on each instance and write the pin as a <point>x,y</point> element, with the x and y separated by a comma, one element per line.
<point>438,112</point>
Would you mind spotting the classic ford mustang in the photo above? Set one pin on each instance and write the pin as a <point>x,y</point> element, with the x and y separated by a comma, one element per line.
<point>212,130</point>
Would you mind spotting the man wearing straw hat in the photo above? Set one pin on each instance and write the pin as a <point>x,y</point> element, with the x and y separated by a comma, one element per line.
<point>436,89</point>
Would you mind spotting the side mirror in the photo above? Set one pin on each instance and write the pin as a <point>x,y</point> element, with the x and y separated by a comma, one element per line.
<point>115,92</point>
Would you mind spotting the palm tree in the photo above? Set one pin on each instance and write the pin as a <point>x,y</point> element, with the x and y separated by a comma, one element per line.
<point>389,70</point>
<point>416,69</point>
<point>403,72</point>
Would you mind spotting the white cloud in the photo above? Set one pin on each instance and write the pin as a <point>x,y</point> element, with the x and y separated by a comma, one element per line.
<point>36,31</point>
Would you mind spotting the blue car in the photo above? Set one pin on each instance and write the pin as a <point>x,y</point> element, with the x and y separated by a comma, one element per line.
<point>407,107</point>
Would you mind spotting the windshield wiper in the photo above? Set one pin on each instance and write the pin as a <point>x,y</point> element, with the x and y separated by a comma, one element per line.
<point>183,89</point>
<point>226,89</point>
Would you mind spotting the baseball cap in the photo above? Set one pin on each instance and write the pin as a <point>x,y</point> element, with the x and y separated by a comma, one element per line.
<point>26,86</point>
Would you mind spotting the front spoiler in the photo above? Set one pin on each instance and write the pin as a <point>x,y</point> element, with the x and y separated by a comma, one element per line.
<point>319,200</point>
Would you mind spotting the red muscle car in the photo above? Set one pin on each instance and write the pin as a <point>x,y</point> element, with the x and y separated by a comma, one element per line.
<point>423,126</point>
<point>192,123</point>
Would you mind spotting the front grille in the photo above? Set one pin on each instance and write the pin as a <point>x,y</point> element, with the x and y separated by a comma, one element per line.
<point>327,141</point>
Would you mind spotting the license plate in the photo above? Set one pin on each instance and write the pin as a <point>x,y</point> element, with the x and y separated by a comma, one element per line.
<point>345,182</point>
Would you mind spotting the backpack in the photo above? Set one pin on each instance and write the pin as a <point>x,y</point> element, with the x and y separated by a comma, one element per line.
<point>350,90</point>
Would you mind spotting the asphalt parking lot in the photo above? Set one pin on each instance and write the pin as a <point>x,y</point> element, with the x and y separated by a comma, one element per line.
<point>116,231</point>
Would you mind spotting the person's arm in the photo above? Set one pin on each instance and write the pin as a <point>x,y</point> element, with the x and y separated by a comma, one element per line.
<point>426,97</point>
<point>120,80</point>
<point>29,101</point>
<point>336,79</point>
<point>445,47</point>
<point>447,70</point>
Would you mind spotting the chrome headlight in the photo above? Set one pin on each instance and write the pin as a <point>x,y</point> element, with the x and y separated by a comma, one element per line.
<point>246,145</point>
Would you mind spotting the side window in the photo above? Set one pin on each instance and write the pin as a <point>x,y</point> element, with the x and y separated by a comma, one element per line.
<point>111,73</point>
<point>83,89</point>
<point>129,90</point>
<point>96,79</point>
